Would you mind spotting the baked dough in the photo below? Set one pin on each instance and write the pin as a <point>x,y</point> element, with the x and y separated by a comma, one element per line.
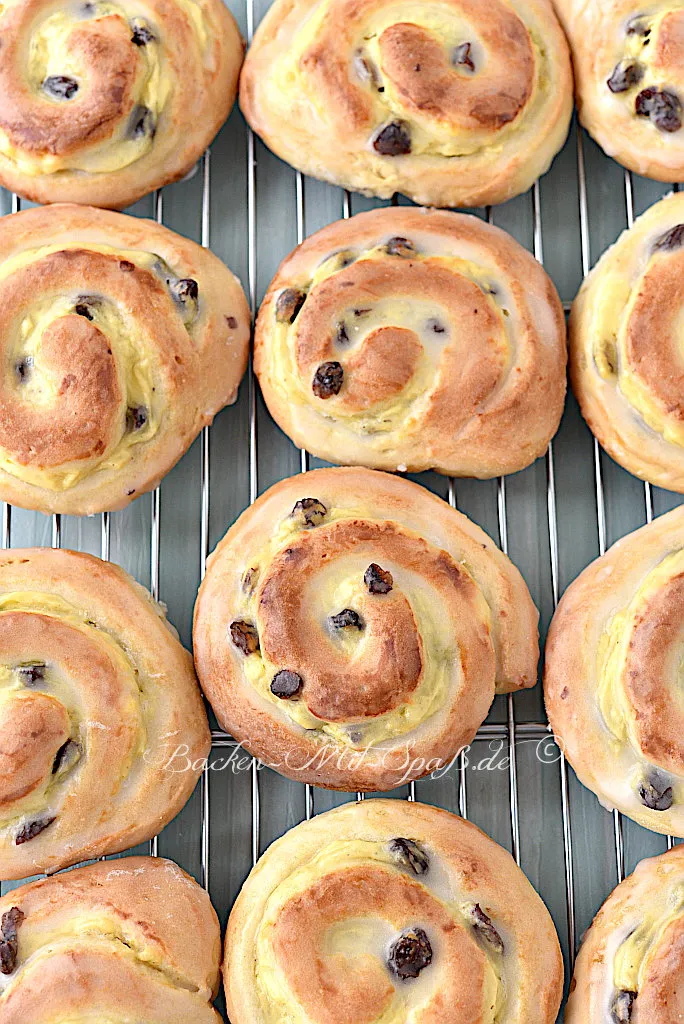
<point>631,963</point>
<point>612,675</point>
<point>96,695</point>
<point>120,340</point>
<point>414,339</point>
<point>453,102</point>
<point>626,361</point>
<point>352,628</point>
<point>390,911</point>
<point>123,940</point>
<point>629,80</point>
<point>103,101</point>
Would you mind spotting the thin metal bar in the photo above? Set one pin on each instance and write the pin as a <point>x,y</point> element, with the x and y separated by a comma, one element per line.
<point>6,524</point>
<point>105,535</point>
<point>56,530</point>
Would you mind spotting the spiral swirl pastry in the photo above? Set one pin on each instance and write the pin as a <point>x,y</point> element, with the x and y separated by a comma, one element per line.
<point>119,341</point>
<point>99,99</point>
<point>352,628</point>
<point>385,911</point>
<point>626,362</point>
<point>115,942</point>
<point>629,80</point>
<point>416,339</point>
<point>612,675</point>
<point>98,701</point>
<point>631,963</point>
<point>453,103</point>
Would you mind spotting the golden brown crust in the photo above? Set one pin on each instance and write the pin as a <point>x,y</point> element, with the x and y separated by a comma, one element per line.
<point>441,104</point>
<point>626,365</point>
<point>640,48</point>
<point>120,341</point>
<point>611,675</point>
<point>131,939</point>
<point>96,694</point>
<point>123,119</point>
<point>311,930</point>
<point>450,336</point>
<point>398,689</point>
<point>637,939</point>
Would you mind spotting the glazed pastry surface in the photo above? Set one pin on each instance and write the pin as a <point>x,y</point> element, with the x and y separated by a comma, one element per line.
<point>390,911</point>
<point>612,675</point>
<point>414,339</point>
<point>352,629</point>
<point>96,694</point>
<point>120,340</point>
<point>451,102</point>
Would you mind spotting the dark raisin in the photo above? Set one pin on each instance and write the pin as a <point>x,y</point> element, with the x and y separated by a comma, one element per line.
<point>60,87</point>
<point>32,673</point>
<point>408,853</point>
<point>484,927</point>
<point>142,35</point>
<point>310,511</point>
<point>362,312</point>
<point>286,684</point>
<point>622,1006</point>
<point>184,290</point>
<point>410,953</point>
<point>347,617</point>
<point>462,56</point>
<point>663,108</point>
<point>65,753</point>
<point>393,140</point>
<point>288,304</point>
<point>436,326</point>
<point>672,239</point>
<point>126,266</point>
<point>32,829</point>
<point>142,123</point>
<point>400,247</point>
<point>625,75</point>
<point>23,368</point>
<point>378,581</point>
<point>655,793</point>
<point>83,310</point>
<point>9,940</point>
<point>341,335</point>
<point>232,322</point>
<point>136,418</point>
<point>328,380</point>
<point>245,637</point>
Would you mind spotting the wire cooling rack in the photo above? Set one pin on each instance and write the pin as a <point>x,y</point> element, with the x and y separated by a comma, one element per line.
<point>552,519</point>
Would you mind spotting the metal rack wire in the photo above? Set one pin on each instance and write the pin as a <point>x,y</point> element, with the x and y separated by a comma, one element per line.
<point>208,818</point>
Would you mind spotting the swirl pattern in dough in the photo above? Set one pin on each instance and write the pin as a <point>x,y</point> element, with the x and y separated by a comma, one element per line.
<point>99,99</point>
<point>453,102</point>
<point>393,912</point>
<point>414,339</point>
<point>352,629</point>
<point>612,682</point>
<point>120,340</point>
<point>120,941</point>
<point>631,963</point>
<point>96,693</point>
<point>626,361</point>
<point>629,80</point>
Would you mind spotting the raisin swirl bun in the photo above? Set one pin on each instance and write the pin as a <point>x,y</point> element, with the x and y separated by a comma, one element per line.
<point>612,683</point>
<point>416,339</point>
<point>631,963</point>
<point>453,103</point>
<point>120,340</point>
<point>99,100</point>
<point>629,80</point>
<point>96,694</point>
<point>388,911</point>
<point>626,362</point>
<point>352,629</point>
<point>120,941</point>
